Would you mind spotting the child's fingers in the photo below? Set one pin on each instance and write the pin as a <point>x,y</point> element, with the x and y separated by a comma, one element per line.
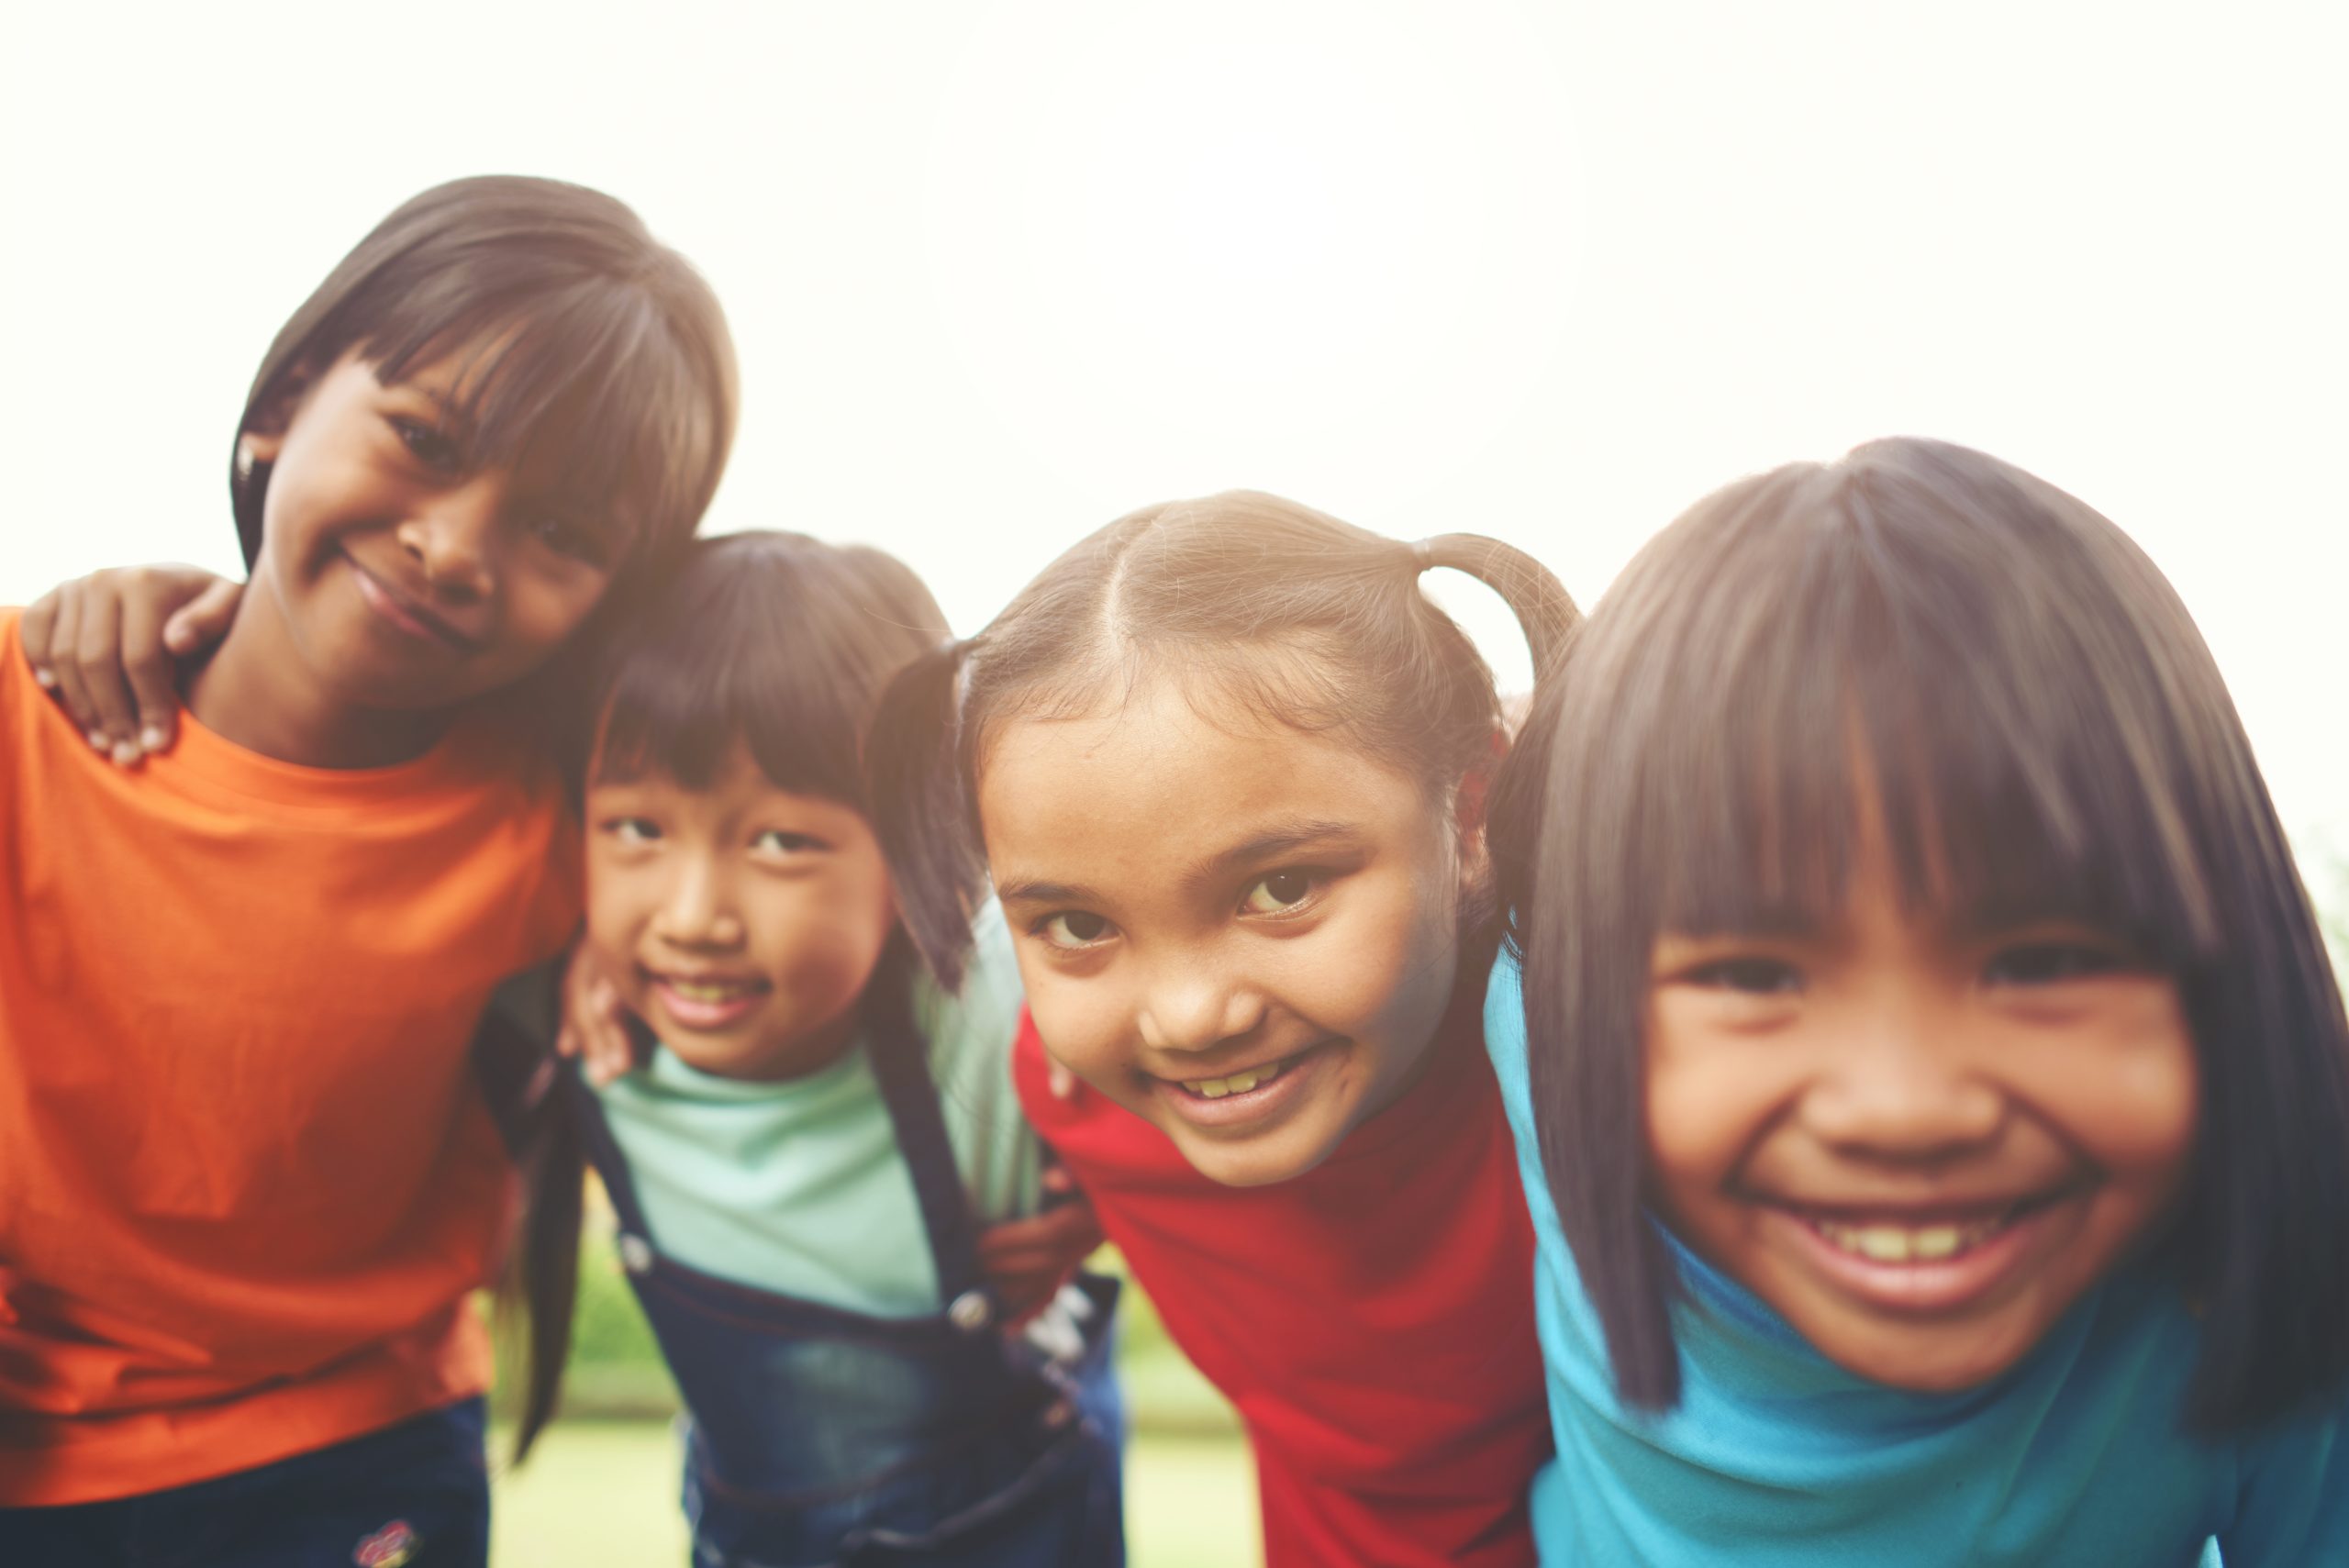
<point>65,669</point>
<point>34,630</point>
<point>603,1032</point>
<point>1058,1080</point>
<point>203,620</point>
<point>154,678</point>
<point>98,652</point>
<point>1057,1240</point>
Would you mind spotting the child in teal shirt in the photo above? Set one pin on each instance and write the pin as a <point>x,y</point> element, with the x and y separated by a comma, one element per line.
<point>1930,1090</point>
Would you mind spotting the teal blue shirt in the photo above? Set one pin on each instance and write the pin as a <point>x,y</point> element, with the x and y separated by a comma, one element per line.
<point>1777,1458</point>
<point>798,1186</point>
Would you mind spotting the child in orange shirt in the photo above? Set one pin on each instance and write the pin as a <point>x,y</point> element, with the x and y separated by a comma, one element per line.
<point>246,1185</point>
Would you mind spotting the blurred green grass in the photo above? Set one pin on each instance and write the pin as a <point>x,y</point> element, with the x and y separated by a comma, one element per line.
<point>600,1491</point>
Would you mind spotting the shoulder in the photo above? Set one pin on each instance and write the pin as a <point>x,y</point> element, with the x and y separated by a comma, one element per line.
<point>16,676</point>
<point>1505,1016</point>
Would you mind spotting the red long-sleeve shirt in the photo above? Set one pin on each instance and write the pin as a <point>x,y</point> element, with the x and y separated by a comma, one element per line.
<point>1372,1319</point>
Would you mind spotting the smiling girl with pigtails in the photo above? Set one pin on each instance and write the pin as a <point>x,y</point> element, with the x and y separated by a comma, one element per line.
<point>1932,1093</point>
<point>1226,764</point>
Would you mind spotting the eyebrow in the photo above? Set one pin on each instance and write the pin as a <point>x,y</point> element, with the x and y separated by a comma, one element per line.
<point>1033,891</point>
<point>1274,842</point>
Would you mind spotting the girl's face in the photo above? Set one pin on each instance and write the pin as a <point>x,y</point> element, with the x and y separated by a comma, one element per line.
<point>1246,935</point>
<point>1921,1144</point>
<point>742,922</point>
<point>406,576</point>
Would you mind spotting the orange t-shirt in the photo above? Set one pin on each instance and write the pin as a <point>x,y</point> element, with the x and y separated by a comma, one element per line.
<point>247,1185</point>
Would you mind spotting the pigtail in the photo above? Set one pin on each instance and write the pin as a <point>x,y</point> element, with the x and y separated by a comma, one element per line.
<point>921,812</point>
<point>523,1086</point>
<point>545,1272</point>
<point>1547,616</point>
<point>1545,612</point>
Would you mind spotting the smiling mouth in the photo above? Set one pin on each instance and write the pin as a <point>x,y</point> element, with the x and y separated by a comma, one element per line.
<point>706,1002</point>
<point>1884,1239</point>
<point>1243,1082</point>
<point>406,612</point>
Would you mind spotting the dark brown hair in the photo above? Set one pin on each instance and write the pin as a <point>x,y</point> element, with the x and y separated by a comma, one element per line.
<point>1292,615</point>
<point>2048,736</point>
<point>591,334</point>
<point>781,643</point>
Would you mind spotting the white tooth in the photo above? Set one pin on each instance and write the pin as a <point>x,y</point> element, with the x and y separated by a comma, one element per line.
<point>1214,1088</point>
<point>1241,1083</point>
<point>1936,1242</point>
<point>1883,1243</point>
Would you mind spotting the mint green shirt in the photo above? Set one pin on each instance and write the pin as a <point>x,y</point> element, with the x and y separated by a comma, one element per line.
<point>798,1187</point>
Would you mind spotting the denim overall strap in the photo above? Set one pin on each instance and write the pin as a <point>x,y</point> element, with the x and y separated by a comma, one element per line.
<point>611,1166</point>
<point>901,1068</point>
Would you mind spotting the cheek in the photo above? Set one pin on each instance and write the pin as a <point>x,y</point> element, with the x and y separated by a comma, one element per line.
<point>1703,1109</point>
<point>617,906</point>
<point>1086,1022</point>
<point>541,612</point>
<point>2137,1109</point>
<point>825,943</point>
<point>1387,966</point>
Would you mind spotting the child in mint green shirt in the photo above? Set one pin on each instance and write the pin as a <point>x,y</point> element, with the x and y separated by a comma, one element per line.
<point>815,1134</point>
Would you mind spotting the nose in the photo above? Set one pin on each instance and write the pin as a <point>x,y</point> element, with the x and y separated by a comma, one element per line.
<point>452,537</point>
<point>1904,1092</point>
<point>1192,1005</point>
<point>698,908</point>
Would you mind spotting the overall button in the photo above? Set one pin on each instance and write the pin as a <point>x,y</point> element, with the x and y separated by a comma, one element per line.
<point>636,1253</point>
<point>970,1311</point>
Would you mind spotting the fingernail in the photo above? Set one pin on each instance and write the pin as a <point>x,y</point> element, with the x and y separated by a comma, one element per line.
<point>98,741</point>
<point>154,737</point>
<point>124,753</point>
<point>47,681</point>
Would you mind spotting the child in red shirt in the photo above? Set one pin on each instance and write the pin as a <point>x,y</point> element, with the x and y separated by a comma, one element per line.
<point>1225,763</point>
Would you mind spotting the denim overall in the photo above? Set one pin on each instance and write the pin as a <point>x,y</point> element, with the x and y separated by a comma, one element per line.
<point>818,1435</point>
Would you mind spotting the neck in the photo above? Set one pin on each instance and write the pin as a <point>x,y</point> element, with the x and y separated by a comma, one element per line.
<point>257,691</point>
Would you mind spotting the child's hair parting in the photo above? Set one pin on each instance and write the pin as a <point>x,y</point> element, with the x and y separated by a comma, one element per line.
<point>2046,735</point>
<point>582,331</point>
<point>781,644</point>
<point>1259,606</point>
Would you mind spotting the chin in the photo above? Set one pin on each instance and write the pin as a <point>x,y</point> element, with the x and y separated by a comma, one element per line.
<point>1256,1163</point>
<point>1940,1361</point>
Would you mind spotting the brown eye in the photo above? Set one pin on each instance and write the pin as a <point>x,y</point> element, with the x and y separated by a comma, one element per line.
<point>2050,963</point>
<point>426,445</point>
<point>1074,929</point>
<point>573,539</point>
<point>1282,890</point>
<point>1748,976</point>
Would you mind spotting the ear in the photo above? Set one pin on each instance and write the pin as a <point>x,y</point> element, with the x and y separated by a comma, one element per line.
<point>263,436</point>
<point>1468,803</point>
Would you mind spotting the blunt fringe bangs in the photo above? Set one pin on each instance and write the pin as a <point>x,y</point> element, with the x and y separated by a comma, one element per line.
<point>583,334</point>
<point>775,640</point>
<point>1253,602</point>
<point>2046,736</point>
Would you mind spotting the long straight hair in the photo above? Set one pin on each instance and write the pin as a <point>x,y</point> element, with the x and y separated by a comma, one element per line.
<point>1261,605</point>
<point>780,644</point>
<point>2048,736</point>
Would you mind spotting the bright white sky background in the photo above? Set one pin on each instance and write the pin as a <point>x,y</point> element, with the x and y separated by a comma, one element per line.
<point>1001,272</point>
